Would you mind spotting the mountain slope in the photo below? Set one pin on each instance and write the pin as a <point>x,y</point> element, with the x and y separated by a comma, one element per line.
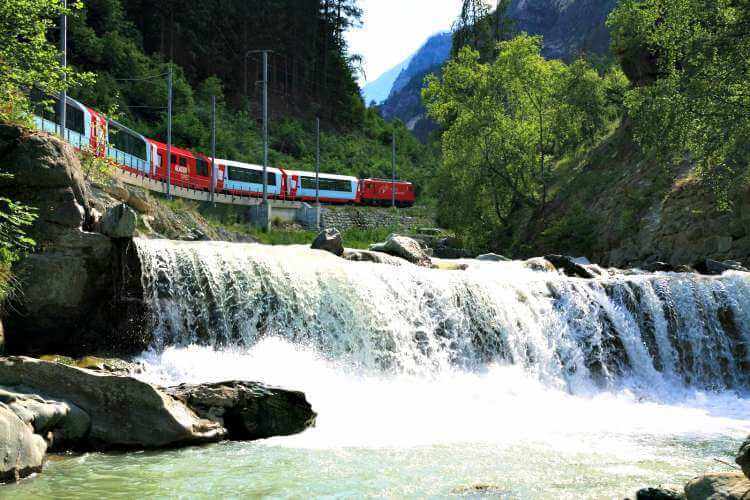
<point>378,90</point>
<point>569,28</point>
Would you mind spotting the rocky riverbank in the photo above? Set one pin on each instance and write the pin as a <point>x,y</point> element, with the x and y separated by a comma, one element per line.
<point>714,486</point>
<point>49,406</point>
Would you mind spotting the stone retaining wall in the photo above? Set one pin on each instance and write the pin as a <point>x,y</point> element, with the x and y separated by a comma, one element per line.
<point>344,218</point>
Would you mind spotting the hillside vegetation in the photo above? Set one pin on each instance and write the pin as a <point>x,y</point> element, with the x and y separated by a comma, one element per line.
<point>640,158</point>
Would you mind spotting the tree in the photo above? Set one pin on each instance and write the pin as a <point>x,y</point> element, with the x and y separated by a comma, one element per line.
<point>688,61</point>
<point>505,123</point>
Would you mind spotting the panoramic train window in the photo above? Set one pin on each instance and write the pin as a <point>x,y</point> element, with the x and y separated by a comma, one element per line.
<point>341,185</point>
<point>48,108</point>
<point>126,141</point>
<point>201,167</point>
<point>250,176</point>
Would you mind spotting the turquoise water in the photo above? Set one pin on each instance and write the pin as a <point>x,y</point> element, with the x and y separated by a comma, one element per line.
<point>402,437</point>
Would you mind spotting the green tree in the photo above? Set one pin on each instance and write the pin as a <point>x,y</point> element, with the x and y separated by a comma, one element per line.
<point>505,124</point>
<point>689,63</point>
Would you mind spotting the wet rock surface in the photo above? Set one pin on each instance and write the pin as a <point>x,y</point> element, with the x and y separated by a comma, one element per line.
<point>719,486</point>
<point>404,247</point>
<point>329,240</point>
<point>21,451</point>
<point>248,410</point>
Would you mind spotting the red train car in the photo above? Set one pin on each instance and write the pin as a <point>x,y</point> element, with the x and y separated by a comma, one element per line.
<point>379,192</point>
<point>188,169</point>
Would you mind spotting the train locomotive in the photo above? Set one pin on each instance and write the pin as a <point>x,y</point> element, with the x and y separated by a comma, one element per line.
<point>88,129</point>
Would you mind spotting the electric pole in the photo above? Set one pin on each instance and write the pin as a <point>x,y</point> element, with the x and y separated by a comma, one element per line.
<point>265,127</point>
<point>213,146</point>
<point>393,169</point>
<point>169,131</point>
<point>64,51</point>
<point>317,171</point>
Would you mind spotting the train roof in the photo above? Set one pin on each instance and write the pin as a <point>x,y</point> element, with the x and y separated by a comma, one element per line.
<point>389,181</point>
<point>176,149</point>
<point>304,173</point>
<point>127,129</point>
<point>249,166</point>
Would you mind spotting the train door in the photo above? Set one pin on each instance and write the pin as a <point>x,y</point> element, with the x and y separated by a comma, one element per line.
<point>294,186</point>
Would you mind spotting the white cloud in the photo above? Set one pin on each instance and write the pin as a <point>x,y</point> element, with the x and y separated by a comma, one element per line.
<point>394,29</point>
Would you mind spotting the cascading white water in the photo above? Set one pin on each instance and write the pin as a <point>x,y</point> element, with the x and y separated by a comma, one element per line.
<point>430,382</point>
<point>649,330</point>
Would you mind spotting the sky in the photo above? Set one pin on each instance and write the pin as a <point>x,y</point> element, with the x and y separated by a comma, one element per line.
<point>394,29</point>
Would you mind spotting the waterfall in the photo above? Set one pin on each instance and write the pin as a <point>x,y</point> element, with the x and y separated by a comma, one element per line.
<point>648,330</point>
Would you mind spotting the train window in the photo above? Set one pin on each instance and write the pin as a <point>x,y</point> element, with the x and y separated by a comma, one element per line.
<point>250,176</point>
<point>74,119</point>
<point>340,185</point>
<point>126,141</point>
<point>201,167</point>
<point>183,161</point>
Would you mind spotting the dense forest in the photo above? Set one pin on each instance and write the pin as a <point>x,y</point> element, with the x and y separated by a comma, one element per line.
<point>523,136</point>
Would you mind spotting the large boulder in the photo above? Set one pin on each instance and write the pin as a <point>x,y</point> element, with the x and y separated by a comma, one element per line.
<point>719,486</point>
<point>119,221</point>
<point>715,268</point>
<point>249,410</point>
<point>69,298</point>
<point>21,451</point>
<point>124,412</point>
<point>329,240</point>
<point>404,247</point>
<point>62,424</point>
<point>743,457</point>
<point>569,266</point>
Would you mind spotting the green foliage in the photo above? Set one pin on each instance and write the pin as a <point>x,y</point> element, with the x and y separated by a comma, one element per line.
<point>505,124</point>
<point>14,243</point>
<point>696,98</point>
<point>94,167</point>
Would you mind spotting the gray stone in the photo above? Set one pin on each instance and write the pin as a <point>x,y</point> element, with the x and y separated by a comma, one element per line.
<point>124,412</point>
<point>21,451</point>
<point>404,247</point>
<point>368,256</point>
<point>120,221</point>
<point>539,264</point>
<point>719,486</point>
<point>658,494</point>
<point>61,423</point>
<point>712,267</point>
<point>249,410</point>
<point>569,266</point>
<point>743,457</point>
<point>330,241</point>
<point>493,257</point>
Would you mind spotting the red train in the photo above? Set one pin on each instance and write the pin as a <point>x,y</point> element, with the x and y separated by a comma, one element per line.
<point>131,151</point>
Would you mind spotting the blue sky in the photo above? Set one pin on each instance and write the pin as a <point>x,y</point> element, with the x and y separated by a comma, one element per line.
<point>394,29</point>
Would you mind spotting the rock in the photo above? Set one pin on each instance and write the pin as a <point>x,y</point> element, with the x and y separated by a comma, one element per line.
<point>21,451</point>
<point>62,424</point>
<point>719,486</point>
<point>658,494</point>
<point>569,266</point>
<point>404,247</point>
<point>368,256</point>
<point>124,412</point>
<point>743,457</point>
<point>715,268</point>
<point>70,298</point>
<point>483,490</point>
<point>119,222</point>
<point>664,267</point>
<point>330,241</point>
<point>493,257</point>
<point>539,264</point>
<point>249,410</point>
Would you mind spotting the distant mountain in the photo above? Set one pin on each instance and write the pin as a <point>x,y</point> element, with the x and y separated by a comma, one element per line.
<point>569,28</point>
<point>379,89</point>
<point>404,100</point>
